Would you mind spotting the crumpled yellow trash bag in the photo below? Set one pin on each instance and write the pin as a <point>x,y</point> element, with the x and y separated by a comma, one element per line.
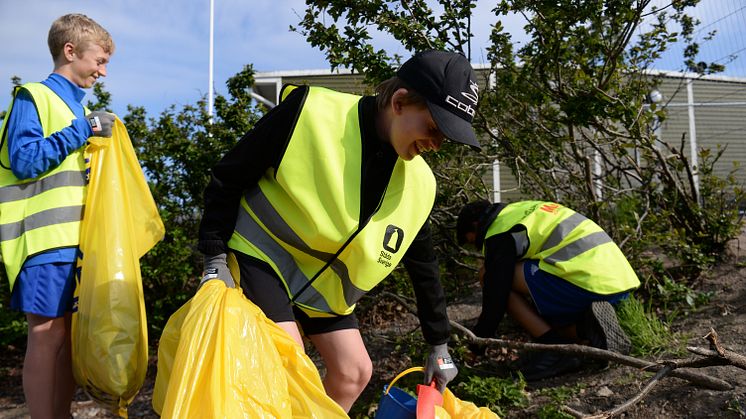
<point>220,357</point>
<point>120,224</point>
<point>454,408</point>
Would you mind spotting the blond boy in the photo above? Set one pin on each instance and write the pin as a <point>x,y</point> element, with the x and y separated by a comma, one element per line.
<point>42,192</point>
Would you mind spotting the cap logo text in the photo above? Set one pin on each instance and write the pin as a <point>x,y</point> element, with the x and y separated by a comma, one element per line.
<point>460,105</point>
<point>474,95</point>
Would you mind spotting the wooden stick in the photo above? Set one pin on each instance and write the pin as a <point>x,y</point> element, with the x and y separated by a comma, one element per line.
<point>693,377</point>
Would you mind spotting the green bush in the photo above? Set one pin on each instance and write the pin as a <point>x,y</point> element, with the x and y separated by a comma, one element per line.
<point>176,151</point>
<point>12,323</point>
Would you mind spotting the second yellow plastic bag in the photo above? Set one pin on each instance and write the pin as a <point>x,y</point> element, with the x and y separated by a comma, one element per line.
<point>396,403</point>
<point>455,408</point>
<point>220,357</point>
<point>120,224</point>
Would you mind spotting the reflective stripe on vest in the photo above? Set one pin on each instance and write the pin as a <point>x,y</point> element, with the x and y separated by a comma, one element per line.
<point>569,245</point>
<point>296,279</point>
<point>562,229</point>
<point>25,190</point>
<point>12,231</point>
<point>578,247</point>
<point>44,213</point>
<point>303,220</point>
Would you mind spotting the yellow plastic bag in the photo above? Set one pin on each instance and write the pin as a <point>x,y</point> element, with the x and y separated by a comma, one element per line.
<point>220,357</point>
<point>120,224</point>
<point>455,408</point>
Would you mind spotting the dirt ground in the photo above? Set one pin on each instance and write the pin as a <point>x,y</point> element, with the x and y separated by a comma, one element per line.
<point>595,391</point>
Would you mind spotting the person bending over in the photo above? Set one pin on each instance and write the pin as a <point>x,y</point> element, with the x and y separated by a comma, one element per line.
<point>554,271</point>
<point>326,195</point>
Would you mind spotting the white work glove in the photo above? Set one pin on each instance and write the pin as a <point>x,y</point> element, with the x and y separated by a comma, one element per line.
<point>440,367</point>
<point>101,123</point>
<point>216,267</point>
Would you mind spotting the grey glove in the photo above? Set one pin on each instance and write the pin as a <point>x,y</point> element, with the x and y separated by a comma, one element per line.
<point>216,267</point>
<point>101,123</point>
<point>440,367</point>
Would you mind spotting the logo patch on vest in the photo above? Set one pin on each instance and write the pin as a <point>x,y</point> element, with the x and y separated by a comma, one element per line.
<point>550,208</point>
<point>392,240</point>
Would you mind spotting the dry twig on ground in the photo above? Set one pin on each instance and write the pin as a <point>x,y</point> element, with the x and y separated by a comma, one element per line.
<point>693,377</point>
<point>718,356</point>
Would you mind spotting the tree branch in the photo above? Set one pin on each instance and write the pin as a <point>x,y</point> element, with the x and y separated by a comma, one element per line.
<point>719,356</point>
<point>693,377</point>
<point>629,403</point>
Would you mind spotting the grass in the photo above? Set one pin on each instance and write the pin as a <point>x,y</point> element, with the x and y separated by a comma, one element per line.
<point>649,334</point>
<point>557,396</point>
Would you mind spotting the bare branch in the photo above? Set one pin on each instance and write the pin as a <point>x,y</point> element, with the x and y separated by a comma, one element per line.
<point>631,402</point>
<point>693,377</point>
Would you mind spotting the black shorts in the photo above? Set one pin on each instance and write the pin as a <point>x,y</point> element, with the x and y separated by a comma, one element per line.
<point>263,287</point>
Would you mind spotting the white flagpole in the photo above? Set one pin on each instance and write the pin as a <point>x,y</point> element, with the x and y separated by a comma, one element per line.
<point>209,88</point>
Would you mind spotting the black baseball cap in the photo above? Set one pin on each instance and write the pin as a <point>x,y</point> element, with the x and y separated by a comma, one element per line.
<point>449,85</point>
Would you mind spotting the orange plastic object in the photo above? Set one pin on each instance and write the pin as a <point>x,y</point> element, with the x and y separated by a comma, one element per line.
<point>427,398</point>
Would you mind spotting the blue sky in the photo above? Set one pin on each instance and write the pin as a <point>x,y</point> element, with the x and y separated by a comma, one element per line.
<point>162,45</point>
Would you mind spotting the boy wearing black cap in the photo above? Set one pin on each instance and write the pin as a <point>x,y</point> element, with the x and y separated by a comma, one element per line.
<point>326,195</point>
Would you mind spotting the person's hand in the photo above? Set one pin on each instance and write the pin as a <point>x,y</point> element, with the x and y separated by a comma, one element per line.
<point>101,123</point>
<point>216,267</point>
<point>440,367</point>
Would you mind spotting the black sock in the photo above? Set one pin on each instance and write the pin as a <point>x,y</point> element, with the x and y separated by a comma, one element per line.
<point>551,338</point>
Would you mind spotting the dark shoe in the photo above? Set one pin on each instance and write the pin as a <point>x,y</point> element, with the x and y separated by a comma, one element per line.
<point>601,328</point>
<point>541,365</point>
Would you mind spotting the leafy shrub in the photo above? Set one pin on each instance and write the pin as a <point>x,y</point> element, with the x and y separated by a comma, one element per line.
<point>176,151</point>
<point>497,394</point>
<point>12,323</point>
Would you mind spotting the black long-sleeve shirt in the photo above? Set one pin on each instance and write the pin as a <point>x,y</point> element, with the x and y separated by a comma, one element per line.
<point>263,148</point>
<point>500,257</point>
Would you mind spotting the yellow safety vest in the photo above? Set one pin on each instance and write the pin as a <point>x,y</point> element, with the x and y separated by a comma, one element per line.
<point>569,246</point>
<point>43,213</point>
<point>303,218</point>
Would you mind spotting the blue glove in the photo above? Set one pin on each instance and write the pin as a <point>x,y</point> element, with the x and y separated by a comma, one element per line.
<point>216,267</point>
<point>101,123</point>
<point>440,367</point>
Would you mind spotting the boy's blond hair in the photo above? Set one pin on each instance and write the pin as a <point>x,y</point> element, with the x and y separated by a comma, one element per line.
<point>386,89</point>
<point>79,30</point>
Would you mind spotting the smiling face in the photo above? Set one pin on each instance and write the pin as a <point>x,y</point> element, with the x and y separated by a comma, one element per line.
<point>413,130</point>
<point>84,65</point>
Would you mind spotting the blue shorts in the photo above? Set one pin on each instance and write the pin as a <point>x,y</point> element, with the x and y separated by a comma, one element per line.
<point>46,290</point>
<point>558,301</point>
